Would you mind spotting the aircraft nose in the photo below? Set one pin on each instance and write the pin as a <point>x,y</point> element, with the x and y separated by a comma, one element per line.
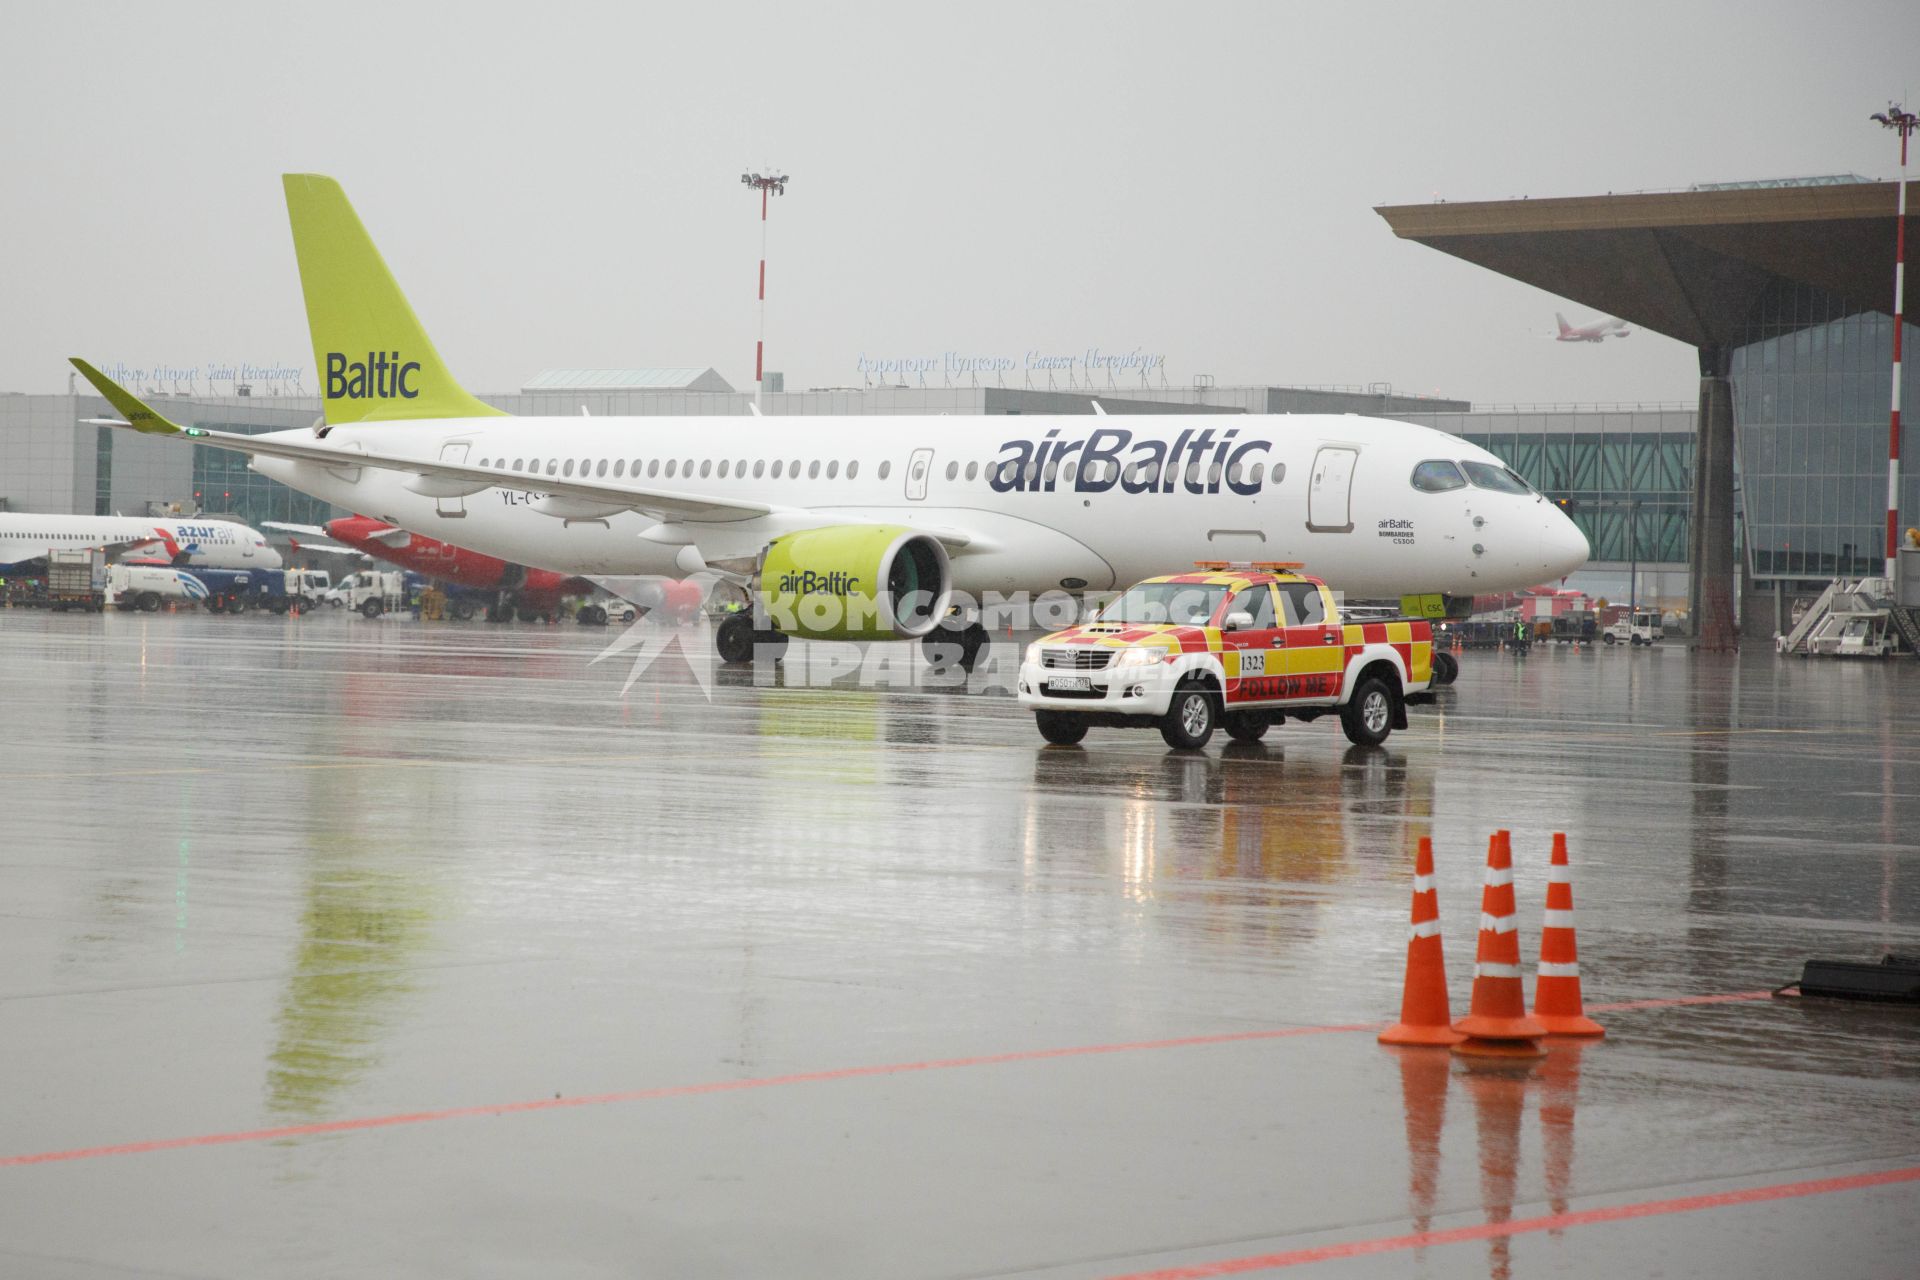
<point>1566,548</point>
<point>271,559</point>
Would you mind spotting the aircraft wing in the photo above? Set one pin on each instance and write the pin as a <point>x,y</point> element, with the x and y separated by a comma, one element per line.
<point>327,548</point>
<point>433,477</point>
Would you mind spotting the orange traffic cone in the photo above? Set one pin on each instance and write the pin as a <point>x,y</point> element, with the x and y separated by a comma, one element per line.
<point>1556,992</point>
<point>1424,1015</point>
<point>1497,1025</point>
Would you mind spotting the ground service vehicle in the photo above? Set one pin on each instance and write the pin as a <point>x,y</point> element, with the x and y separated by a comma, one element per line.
<point>1240,648</point>
<point>147,586</point>
<point>76,579</point>
<point>305,587</point>
<point>1645,627</point>
<point>372,592</point>
<point>1574,628</point>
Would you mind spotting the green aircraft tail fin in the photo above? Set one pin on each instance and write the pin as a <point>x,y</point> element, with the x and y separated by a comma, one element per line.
<point>375,361</point>
<point>135,410</point>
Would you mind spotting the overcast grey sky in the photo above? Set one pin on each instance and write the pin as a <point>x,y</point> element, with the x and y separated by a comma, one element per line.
<point>557,185</point>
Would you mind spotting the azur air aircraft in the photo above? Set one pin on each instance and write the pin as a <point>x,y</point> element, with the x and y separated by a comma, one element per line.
<point>25,538</point>
<point>866,528</point>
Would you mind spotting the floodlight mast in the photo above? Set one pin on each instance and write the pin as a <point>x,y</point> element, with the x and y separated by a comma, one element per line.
<point>766,185</point>
<point>1903,123</point>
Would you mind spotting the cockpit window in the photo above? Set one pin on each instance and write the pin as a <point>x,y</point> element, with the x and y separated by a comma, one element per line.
<point>1485,475</point>
<point>1437,477</point>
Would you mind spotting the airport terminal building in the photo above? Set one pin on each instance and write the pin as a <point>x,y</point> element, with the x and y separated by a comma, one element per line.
<point>1784,289</point>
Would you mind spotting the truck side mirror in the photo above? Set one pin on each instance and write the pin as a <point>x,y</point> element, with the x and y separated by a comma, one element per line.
<point>1238,621</point>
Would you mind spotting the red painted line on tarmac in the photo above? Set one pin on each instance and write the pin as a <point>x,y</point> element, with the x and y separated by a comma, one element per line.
<point>736,1086</point>
<point>1525,1226</point>
<point>665,1091</point>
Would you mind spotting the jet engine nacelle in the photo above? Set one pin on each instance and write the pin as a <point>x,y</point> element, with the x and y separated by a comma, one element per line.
<point>855,582</point>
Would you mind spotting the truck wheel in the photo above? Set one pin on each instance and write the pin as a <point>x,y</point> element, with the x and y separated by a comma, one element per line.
<point>236,605</point>
<point>1244,726</point>
<point>372,608</point>
<point>1061,728</point>
<point>277,605</point>
<point>335,602</point>
<point>1609,638</point>
<point>733,639</point>
<point>1446,668</point>
<point>1368,718</point>
<point>149,602</point>
<point>1191,715</point>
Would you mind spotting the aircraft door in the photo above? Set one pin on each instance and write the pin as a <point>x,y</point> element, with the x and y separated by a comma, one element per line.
<point>454,451</point>
<point>1330,495</point>
<point>918,468</point>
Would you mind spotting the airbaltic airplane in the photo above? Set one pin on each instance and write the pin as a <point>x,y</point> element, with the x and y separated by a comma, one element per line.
<point>204,544</point>
<point>863,528</point>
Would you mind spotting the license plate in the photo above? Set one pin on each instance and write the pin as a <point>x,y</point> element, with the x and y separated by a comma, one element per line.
<point>1070,684</point>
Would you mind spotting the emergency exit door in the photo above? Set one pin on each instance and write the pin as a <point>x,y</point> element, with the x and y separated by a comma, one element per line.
<point>456,453</point>
<point>1330,495</point>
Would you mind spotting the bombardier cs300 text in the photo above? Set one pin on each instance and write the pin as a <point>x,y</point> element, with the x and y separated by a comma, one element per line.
<point>864,528</point>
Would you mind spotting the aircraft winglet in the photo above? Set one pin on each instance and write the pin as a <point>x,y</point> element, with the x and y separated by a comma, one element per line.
<point>138,415</point>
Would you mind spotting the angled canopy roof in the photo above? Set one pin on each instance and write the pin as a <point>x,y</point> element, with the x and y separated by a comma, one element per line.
<point>1688,264</point>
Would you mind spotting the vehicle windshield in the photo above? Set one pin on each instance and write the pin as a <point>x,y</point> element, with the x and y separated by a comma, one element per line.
<point>1182,603</point>
<point>1486,475</point>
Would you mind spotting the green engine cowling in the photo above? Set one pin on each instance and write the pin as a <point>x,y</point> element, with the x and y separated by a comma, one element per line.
<point>855,582</point>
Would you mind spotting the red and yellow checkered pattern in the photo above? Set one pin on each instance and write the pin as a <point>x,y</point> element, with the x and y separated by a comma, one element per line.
<point>1274,665</point>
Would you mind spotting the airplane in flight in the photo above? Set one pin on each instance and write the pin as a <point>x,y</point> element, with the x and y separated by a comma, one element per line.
<point>202,544</point>
<point>1598,331</point>
<point>519,590</point>
<point>866,528</point>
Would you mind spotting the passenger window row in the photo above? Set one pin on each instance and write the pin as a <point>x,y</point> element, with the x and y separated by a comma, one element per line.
<point>676,468</point>
<point>1243,474</point>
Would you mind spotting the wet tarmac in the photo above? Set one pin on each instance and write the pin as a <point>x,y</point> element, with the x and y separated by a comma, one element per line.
<point>337,948</point>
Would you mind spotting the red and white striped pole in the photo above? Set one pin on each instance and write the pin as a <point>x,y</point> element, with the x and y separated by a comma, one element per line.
<point>1903,122</point>
<point>767,186</point>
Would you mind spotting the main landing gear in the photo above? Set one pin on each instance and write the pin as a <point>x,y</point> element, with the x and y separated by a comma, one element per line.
<point>738,643</point>
<point>947,646</point>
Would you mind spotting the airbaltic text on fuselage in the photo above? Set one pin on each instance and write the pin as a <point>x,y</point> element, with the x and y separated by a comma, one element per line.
<point>381,376</point>
<point>1197,461</point>
<point>808,582</point>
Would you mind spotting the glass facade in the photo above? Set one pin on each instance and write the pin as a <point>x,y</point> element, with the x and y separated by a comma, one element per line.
<point>223,485</point>
<point>103,470</point>
<point>1811,381</point>
<point>1625,478</point>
